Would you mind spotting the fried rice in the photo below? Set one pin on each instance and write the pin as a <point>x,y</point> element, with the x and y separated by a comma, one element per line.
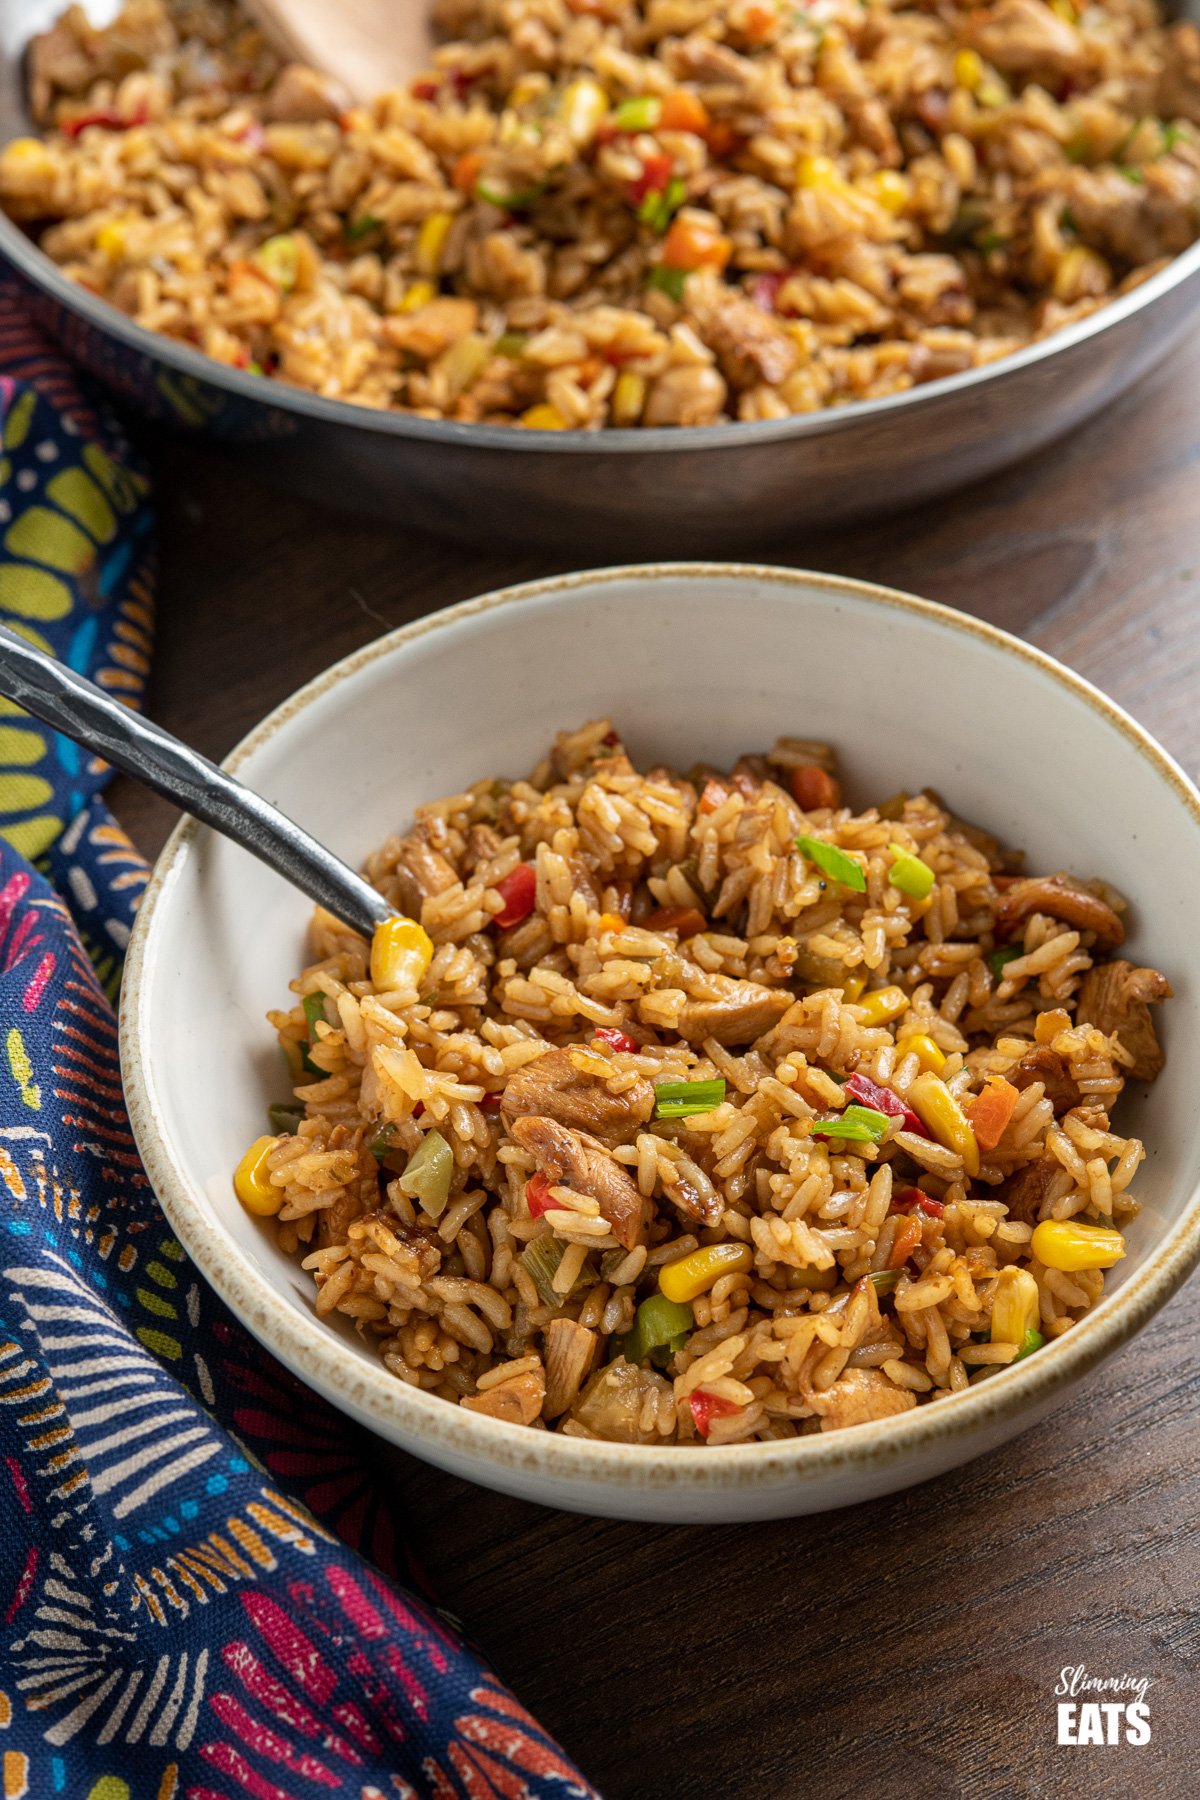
<point>702,1109</point>
<point>593,213</point>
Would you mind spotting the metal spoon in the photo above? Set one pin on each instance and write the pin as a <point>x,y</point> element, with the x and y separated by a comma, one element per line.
<point>84,712</point>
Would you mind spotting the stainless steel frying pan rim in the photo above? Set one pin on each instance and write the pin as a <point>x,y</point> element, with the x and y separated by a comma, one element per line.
<point>24,254</point>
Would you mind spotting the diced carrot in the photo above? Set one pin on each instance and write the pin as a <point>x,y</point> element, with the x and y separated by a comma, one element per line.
<point>682,111</point>
<point>714,795</point>
<point>759,24</point>
<point>466,171</point>
<point>721,138</point>
<point>813,788</point>
<point>907,1237</point>
<point>686,920</point>
<point>695,244</point>
<point>991,1110</point>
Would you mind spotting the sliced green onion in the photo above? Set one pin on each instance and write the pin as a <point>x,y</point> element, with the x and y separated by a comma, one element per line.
<point>361,228</point>
<point>659,208</point>
<point>314,1009</point>
<point>857,1125</point>
<point>285,1119</point>
<point>1130,172</point>
<point>833,862</point>
<point>383,1145</point>
<point>428,1172</point>
<point>541,1259</point>
<point>884,1280</point>
<point>908,873</point>
<point>657,1322</point>
<point>484,190</point>
<point>681,1099</point>
<point>512,344</point>
<point>1033,1340</point>
<point>1172,134</point>
<point>668,281</point>
<point>254,368</point>
<point>279,260</point>
<point>999,959</point>
<point>642,114</point>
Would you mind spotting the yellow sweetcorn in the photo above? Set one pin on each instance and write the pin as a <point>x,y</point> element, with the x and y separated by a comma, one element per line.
<point>883,1005</point>
<point>1048,1024</point>
<point>464,362</point>
<point>889,189</point>
<point>1069,1246</point>
<point>695,1274</point>
<point>401,952</point>
<point>417,296</point>
<point>251,1183</point>
<point>427,252</point>
<point>26,156</point>
<point>925,1051</point>
<point>852,988</point>
<point>111,239</point>
<point>968,70</point>
<point>583,105</point>
<point>629,397</point>
<point>1081,275</point>
<point>1016,1308</point>
<point>941,1114</point>
<point>543,418</point>
<point>819,172</point>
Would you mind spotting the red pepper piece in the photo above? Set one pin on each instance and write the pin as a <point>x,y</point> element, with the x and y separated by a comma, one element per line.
<point>616,1039</point>
<point>764,289</point>
<point>538,1197</point>
<point>491,1102</point>
<point>707,1407</point>
<point>905,1242</point>
<point>914,1199</point>
<point>518,892</point>
<point>112,121</point>
<point>881,1099</point>
<point>656,173</point>
<point>686,920</point>
<point>425,90</point>
<point>813,787</point>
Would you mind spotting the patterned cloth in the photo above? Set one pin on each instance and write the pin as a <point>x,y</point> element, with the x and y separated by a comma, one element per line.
<point>187,1604</point>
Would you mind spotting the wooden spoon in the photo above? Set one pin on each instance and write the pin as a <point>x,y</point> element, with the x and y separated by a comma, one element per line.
<point>368,46</point>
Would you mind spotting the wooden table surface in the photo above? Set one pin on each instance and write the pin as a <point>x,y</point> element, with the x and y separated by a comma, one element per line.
<point>913,1645</point>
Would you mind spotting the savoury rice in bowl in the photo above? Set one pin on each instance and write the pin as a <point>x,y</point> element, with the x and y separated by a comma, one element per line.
<point>700,1108</point>
<point>602,214</point>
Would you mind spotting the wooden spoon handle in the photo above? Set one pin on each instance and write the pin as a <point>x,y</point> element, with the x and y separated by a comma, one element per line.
<point>367,45</point>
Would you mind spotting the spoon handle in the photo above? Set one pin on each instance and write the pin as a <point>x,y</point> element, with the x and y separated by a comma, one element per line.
<point>84,712</point>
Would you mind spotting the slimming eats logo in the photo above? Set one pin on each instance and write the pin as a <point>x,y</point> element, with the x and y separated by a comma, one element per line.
<point>1102,1709</point>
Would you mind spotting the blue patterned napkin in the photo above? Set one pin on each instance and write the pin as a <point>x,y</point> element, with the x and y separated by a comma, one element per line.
<point>195,1555</point>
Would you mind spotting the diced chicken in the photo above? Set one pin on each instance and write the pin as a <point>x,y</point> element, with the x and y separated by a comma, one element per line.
<point>741,1012</point>
<point>1024,36</point>
<point>613,1405</point>
<point>421,872</point>
<point>432,328</point>
<point>1047,1066</point>
<point>1178,95</point>
<point>582,1162</point>
<point>691,394</point>
<point>1131,222</point>
<point>749,345</point>
<point>1116,996</point>
<point>554,1088</point>
<point>569,1349</point>
<point>518,1401</point>
<point>1026,1192</point>
<point>1063,899</point>
<point>300,96</point>
<point>859,1396</point>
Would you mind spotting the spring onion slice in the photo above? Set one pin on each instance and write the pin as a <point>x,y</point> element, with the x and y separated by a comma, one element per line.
<point>999,959</point>
<point>427,1175</point>
<point>833,862</point>
<point>361,228</point>
<point>640,114</point>
<point>285,1119</point>
<point>1033,1340</point>
<point>682,1099</point>
<point>908,873</point>
<point>884,1280</point>
<point>494,196</point>
<point>314,1009</point>
<point>657,1323</point>
<point>541,1259</point>
<point>857,1125</point>
<point>668,281</point>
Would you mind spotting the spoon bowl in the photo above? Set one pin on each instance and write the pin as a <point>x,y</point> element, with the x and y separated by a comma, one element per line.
<point>368,46</point>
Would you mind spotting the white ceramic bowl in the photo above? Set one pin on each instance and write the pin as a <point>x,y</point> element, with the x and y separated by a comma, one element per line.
<point>695,662</point>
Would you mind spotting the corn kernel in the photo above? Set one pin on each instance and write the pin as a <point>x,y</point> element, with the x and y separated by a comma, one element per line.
<point>941,1114</point>
<point>543,418</point>
<point>1082,274</point>
<point>111,240</point>
<point>611,922</point>
<point>1016,1308</point>
<point>401,952</point>
<point>417,296</point>
<point>695,1274</point>
<point>1065,10</point>
<point>1048,1024</point>
<point>25,156</point>
<point>852,988</point>
<point>968,70</point>
<point>925,1050</point>
<point>430,238</point>
<point>463,362</point>
<point>818,172</point>
<point>1069,1246</point>
<point>252,1184</point>
<point>890,189</point>
<point>583,105</point>
<point>883,1005</point>
<point>629,397</point>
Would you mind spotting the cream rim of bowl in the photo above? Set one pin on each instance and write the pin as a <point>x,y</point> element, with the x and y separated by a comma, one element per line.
<point>794,1475</point>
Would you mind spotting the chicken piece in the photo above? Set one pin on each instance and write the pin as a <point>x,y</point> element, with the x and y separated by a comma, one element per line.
<point>1026,1192</point>
<point>553,1087</point>
<point>859,1396</point>
<point>742,1011</point>
<point>582,1163</point>
<point>1178,94</point>
<point>1116,996</point>
<point>1047,1066</point>
<point>300,96</point>
<point>688,395</point>
<point>613,1404</point>
<point>483,843</point>
<point>73,54</point>
<point>749,345</point>
<point>1062,898</point>
<point>1022,37</point>
<point>432,328</point>
<point>518,1401</point>
<point>1130,222</point>
<point>420,872</point>
<point>569,1349</point>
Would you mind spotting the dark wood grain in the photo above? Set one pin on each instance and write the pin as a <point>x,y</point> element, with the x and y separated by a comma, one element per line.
<point>912,1646</point>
